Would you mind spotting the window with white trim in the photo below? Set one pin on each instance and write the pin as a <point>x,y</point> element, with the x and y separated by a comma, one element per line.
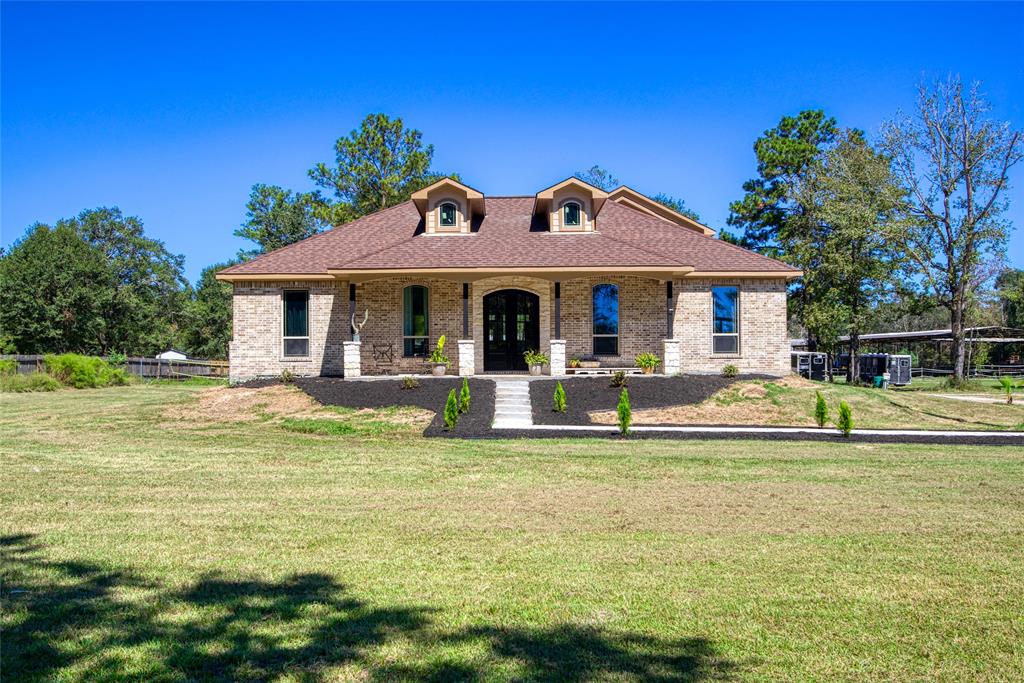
<point>606,320</point>
<point>296,323</point>
<point>448,215</point>
<point>725,331</point>
<point>415,321</point>
<point>571,214</point>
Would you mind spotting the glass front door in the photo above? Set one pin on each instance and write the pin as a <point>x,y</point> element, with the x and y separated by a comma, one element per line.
<point>511,327</point>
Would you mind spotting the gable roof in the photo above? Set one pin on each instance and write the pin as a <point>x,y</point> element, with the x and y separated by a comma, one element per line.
<point>508,237</point>
<point>630,197</point>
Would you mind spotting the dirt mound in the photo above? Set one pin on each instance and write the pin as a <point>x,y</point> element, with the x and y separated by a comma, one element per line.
<point>244,404</point>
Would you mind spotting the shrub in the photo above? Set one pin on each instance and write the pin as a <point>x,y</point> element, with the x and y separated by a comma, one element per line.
<point>820,410</point>
<point>286,376</point>
<point>845,422</point>
<point>84,372</point>
<point>464,396</point>
<point>647,360</point>
<point>437,356</point>
<point>559,398</point>
<point>451,411</point>
<point>619,379</point>
<point>730,370</point>
<point>8,366</point>
<point>625,412</point>
<point>410,383</point>
<point>117,359</point>
<point>535,358</point>
<point>575,362</point>
<point>1007,383</point>
<point>37,381</point>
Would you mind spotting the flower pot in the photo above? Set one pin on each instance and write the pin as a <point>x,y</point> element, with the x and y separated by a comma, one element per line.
<point>438,370</point>
<point>648,370</point>
<point>590,363</point>
<point>536,369</point>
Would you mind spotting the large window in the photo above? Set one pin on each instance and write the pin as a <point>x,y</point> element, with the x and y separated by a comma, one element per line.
<point>296,323</point>
<point>571,214</point>
<point>606,320</point>
<point>447,212</point>
<point>415,320</point>
<point>726,326</point>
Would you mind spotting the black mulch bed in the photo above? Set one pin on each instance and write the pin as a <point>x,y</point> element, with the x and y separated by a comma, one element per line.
<point>585,394</point>
<point>431,395</point>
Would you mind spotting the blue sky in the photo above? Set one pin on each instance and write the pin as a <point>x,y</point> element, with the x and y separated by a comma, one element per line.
<point>173,111</point>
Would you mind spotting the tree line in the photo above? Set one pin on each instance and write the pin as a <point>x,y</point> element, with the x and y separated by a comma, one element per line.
<point>886,229</point>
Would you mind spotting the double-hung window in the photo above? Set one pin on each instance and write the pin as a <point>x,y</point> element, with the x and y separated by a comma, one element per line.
<point>725,332</point>
<point>415,320</point>
<point>296,322</point>
<point>606,320</point>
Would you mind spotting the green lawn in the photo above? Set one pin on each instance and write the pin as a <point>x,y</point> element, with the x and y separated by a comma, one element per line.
<point>143,548</point>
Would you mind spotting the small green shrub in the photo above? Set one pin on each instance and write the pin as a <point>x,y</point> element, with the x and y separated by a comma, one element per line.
<point>619,379</point>
<point>117,359</point>
<point>625,412</point>
<point>535,358</point>
<point>464,396</point>
<point>410,383</point>
<point>451,411</point>
<point>559,398</point>
<point>8,366</point>
<point>647,360</point>
<point>286,376</point>
<point>845,422</point>
<point>84,372</point>
<point>820,410</point>
<point>730,371</point>
<point>37,381</point>
<point>1009,385</point>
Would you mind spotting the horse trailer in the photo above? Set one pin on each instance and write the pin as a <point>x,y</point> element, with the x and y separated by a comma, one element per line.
<point>878,364</point>
<point>809,364</point>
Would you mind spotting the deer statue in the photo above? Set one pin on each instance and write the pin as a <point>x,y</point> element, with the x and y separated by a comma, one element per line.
<point>358,327</point>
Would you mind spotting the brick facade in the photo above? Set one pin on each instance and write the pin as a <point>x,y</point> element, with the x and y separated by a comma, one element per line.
<point>258,309</point>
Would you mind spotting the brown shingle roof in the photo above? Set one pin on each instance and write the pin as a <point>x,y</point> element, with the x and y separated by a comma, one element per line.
<point>508,236</point>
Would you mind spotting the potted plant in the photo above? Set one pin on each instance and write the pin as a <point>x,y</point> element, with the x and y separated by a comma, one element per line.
<point>437,360</point>
<point>647,362</point>
<point>589,362</point>
<point>574,363</point>
<point>535,360</point>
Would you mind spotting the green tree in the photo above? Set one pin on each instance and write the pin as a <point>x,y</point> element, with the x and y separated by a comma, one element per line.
<point>677,205</point>
<point>559,398</point>
<point>54,290</point>
<point>206,331</point>
<point>379,165</point>
<point>1010,290</point>
<point>784,154</point>
<point>143,312</point>
<point>451,411</point>
<point>624,411</point>
<point>845,239</point>
<point>598,177</point>
<point>954,161</point>
<point>464,396</point>
<point>820,409</point>
<point>277,217</point>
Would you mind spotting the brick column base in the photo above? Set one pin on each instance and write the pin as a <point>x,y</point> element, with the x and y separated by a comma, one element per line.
<point>467,358</point>
<point>557,357</point>
<point>671,362</point>
<point>351,358</point>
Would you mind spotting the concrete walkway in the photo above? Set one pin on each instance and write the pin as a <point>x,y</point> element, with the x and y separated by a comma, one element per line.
<point>512,409</point>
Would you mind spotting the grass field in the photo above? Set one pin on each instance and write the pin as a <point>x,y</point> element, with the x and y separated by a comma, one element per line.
<point>141,547</point>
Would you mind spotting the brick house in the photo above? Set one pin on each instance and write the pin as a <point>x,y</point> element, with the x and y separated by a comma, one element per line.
<point>573,271</point>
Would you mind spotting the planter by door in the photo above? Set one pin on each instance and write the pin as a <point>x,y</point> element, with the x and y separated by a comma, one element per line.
<point>438,369</point>
<point>511,327</point>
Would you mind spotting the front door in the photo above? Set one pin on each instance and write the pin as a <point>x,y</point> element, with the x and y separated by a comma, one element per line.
<point>511,327</point>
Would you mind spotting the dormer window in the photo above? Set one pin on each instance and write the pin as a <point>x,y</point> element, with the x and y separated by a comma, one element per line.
<point>571,214</point>
<point>447,217</point>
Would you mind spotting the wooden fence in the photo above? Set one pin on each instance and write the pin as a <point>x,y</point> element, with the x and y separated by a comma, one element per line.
<point>149,368</point>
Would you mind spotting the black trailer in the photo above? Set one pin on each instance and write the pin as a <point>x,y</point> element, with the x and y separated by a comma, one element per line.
<point>809,364</point>
<point>879,364</point>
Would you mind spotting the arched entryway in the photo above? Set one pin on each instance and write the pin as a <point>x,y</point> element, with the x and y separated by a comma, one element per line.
<point>511,327</point>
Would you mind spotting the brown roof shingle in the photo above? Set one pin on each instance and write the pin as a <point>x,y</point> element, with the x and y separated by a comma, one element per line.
<point>508,236</point>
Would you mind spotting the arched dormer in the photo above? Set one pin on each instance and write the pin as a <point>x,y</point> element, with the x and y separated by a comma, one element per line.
<point>448,207</point>
<point>570,206</point>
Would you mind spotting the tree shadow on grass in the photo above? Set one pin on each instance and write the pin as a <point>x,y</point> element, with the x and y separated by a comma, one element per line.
<point>85,621</point>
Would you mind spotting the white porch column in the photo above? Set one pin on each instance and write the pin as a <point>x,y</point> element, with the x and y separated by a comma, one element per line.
<point>467,358</point>
<point>557,357</point>
<point>672,362</point>
<point>351,358</point>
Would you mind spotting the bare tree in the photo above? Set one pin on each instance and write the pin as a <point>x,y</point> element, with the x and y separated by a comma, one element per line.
<point>954,161</point>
